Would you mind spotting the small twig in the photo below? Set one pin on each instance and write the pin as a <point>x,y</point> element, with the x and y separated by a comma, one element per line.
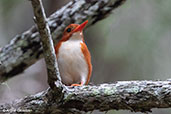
<point>46,39</point>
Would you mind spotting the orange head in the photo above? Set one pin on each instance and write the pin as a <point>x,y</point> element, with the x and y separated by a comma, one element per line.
<point>73,28</point>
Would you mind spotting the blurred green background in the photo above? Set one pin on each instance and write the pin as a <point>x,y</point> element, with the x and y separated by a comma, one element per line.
<point>133,43</point>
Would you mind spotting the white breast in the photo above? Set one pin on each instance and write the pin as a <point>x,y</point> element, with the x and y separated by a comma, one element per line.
<point>72,65</point>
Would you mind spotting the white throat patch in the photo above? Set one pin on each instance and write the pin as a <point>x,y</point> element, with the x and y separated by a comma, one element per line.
<point>76,36</point>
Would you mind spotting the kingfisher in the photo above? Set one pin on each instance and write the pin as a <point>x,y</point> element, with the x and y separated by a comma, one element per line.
<point>73,56</point>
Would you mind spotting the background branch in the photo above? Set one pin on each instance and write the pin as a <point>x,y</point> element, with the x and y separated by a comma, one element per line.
<point>25,49</point>
<point>127,95</point>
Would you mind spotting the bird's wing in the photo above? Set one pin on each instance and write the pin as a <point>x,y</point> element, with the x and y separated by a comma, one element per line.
<point>87,56</point>
<point>57,48</point>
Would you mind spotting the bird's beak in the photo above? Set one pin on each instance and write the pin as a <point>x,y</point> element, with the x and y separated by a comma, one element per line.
<point>81,27</point>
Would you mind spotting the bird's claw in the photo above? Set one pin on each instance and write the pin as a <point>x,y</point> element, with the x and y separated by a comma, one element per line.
<point>81,84</point>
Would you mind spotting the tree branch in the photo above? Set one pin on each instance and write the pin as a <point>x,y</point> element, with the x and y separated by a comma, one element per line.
<point>25,49</point>
<point>127,95</point>
<point>47,43</point>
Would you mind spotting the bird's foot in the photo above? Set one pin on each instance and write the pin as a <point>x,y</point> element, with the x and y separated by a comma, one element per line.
<point>81,84</point>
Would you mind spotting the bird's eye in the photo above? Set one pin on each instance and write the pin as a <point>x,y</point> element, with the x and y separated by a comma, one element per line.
<point>68,30</point>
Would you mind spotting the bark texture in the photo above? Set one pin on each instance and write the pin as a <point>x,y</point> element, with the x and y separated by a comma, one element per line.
<point>127,95</point>
<point>47,44</point>
<point>25,49</point>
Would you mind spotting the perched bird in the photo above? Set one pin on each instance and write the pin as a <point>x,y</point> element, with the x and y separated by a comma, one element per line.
<point>73,56</point>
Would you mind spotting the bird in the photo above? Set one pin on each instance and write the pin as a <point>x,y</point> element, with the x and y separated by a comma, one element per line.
<point>73,56</point>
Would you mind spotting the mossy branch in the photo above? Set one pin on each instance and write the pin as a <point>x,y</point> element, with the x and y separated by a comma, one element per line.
<point>136,96</point>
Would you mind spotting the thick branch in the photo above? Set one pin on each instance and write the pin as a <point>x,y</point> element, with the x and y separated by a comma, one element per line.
<point>25,49</point>
<point>47,43</point>
<point>127,95</point>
